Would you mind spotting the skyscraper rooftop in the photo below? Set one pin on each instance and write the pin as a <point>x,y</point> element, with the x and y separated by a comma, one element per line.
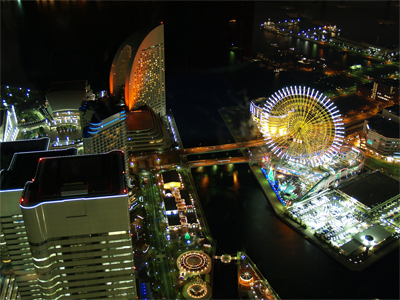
<point>23,167</point>
<point>86,176</point>
<point>7,149</point>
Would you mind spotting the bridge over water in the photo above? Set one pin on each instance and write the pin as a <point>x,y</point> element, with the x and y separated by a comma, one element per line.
<point>223,161</point>
<point>218,148</point>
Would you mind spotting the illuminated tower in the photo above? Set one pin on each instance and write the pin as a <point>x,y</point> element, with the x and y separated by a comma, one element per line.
<point>77,223</point>
<point>138,70</point>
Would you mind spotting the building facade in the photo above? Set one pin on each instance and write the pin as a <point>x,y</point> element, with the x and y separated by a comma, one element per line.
<point>103,126</point>
<point>383,138</point>
<point>8,124</point>
<point>138,70</point>
<point>386,90</point>
<point>78,227</point>
<point>15,250</point>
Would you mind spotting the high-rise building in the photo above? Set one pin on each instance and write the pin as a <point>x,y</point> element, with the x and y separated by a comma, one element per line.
<point>78,227</point>
<point>138,70</point>
<point>103,126</point>
<point>14,245</point>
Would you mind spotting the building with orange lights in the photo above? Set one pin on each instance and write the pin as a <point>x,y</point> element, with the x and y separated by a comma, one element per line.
<point>138,70</point>
<point>146,131</point>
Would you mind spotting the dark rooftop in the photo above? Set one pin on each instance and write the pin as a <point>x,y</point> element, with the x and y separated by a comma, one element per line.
<point>371,188</point>
<point>170,203</point>
<point>77,176</point>
<point>139,119</point>
<point>184,194</point>
<point>173,220</point>
<point>7,149</point>
<point>384,127</point>
<point>170,176</point>
<point>394,109</point>
<point>23,167</point>
<point>191,218</point>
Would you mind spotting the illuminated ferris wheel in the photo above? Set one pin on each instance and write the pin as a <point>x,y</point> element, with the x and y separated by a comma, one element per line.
<point>302,125</point>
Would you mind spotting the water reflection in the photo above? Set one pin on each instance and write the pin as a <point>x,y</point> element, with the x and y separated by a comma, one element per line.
<point>205,180</point>
<point>240,216</point>
<point>236,184</point>
<point>264,40</point>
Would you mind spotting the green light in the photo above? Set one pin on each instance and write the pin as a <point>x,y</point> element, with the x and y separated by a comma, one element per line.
<point>187,236</point>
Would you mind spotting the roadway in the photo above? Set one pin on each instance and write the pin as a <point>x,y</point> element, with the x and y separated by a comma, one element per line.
<point>156,238</point>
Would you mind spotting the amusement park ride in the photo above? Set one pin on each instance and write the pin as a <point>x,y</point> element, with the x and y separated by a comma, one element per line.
<point>304,133</point>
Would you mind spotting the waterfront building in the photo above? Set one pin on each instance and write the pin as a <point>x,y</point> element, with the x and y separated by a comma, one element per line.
<point>170,179</point>
<point>383,137</point>
<point>170,206</point>
<point>138,70</point>
<point>8,124</point>
<point>104,126</point>
<point>146,131</point>
<point>77,223</point>
<point>15,249</point>
<point>386,90</point>
<point>371,190</point>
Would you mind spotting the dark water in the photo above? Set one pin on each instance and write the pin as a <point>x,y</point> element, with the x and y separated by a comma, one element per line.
<point>240,216</point>
<point>264,39</point>
<point>358,21</point>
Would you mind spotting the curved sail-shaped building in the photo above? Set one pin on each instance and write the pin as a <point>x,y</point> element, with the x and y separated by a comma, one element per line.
<point>138,70</point>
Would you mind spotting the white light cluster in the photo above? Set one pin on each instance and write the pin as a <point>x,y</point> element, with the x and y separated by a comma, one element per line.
<point>311,96</point>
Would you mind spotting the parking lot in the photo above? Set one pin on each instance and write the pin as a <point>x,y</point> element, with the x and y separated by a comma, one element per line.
<point>389,215</point>
<point>332,216</point>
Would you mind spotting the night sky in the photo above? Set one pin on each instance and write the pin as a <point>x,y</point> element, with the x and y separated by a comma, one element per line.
<point>71,40</point>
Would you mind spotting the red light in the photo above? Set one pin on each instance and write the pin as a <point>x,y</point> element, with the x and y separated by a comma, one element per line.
<point>123,172</point>
<point>124,190</point>
<point>40,159</point>
<point>21,200</point>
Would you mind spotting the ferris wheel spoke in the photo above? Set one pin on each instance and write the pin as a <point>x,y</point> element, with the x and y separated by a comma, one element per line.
<point>299,126</point>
